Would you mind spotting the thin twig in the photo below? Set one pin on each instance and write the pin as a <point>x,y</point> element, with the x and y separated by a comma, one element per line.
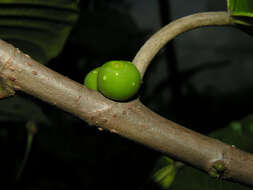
<point>170,31</point>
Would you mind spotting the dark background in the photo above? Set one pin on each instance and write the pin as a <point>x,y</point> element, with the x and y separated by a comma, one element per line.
<point>201,80</point>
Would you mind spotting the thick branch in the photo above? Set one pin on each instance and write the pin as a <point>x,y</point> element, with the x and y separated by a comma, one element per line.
<point>132,120</point>
<point>170,31</point>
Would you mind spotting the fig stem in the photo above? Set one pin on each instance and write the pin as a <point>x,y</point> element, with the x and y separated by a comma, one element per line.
<point>157,41</point>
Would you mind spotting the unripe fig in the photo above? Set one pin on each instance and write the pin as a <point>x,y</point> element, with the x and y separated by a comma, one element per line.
<point>118,80</point>
<point>90,80</point>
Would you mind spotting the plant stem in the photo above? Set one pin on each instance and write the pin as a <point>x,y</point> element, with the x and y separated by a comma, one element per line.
<point>170,31</point>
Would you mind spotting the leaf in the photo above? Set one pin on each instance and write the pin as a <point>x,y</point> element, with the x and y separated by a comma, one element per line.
<point>241,14</point>
<point>164,172</point>
<point>237,133</point>
<point>240,7</point>
<point>37,27</point>
<point>20,109</point>
<point>31,128</point>
<point>193,179</point>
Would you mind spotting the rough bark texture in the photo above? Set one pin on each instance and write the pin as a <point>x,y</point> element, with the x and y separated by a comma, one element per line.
<point>131,120</point>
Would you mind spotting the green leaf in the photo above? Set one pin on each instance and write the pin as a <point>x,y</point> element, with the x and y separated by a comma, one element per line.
<point>237,133</point>
<point>164,172</point>
<point>37,27</point>
<point>193,179</point>
<point>241,11</point>
<point>240,7</point>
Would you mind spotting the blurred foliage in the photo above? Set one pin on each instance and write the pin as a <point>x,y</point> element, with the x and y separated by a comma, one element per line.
<point>240,7</point>
<point>66,153</point>
<point>37,27</point>
<point>164,172</point>
<point>237,133</point>
<point>192,179</point>
<point>32,129</point>
<point>242,14</point>
<point>18,109</point>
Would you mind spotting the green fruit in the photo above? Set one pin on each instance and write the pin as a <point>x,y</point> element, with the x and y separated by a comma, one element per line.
<point>90,80</point>
<point>118,80</point>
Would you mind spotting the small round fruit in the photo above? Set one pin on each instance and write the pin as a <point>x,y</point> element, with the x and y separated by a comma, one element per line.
<point>90,80</point>
<point>119,80</point>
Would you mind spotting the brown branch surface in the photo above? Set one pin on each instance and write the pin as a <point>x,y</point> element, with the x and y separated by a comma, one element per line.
<point>131,120</point>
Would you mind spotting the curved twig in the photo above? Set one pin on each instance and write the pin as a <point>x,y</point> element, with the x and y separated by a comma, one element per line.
<point>170,31</point>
